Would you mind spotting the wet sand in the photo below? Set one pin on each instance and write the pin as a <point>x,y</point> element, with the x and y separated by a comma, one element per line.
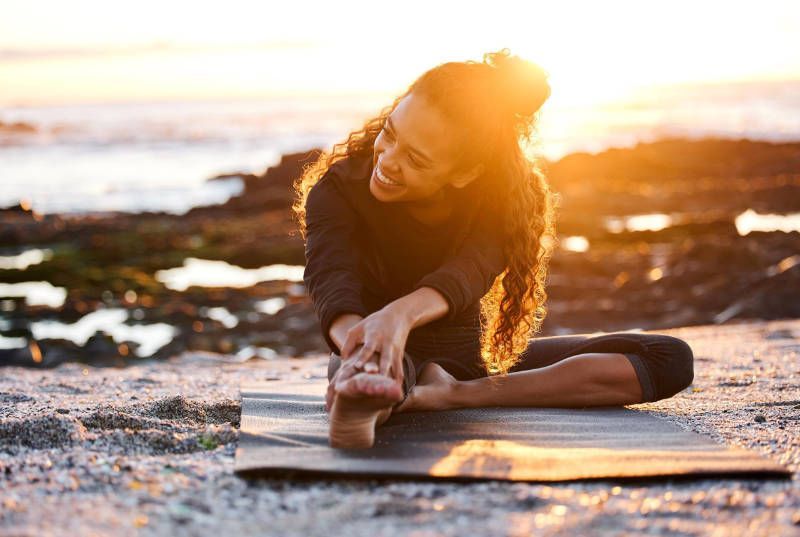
<point>149,450</point>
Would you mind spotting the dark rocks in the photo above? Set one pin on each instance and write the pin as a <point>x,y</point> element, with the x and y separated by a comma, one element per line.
<point>699,270</point>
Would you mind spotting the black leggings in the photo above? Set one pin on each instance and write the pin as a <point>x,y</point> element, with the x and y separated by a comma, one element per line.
<point>663,364</point>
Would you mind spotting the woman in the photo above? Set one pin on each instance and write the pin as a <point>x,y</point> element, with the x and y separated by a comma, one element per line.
<point>428,234</point>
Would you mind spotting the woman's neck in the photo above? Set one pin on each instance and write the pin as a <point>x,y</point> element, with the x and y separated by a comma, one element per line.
<point>432,210</point>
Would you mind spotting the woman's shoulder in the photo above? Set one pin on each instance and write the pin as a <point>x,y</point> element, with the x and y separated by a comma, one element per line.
<point>349,177</point>
<point>344,182</point>
<point>354,168</point>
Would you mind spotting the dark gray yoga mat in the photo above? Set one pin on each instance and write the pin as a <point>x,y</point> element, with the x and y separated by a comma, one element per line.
<point>285,431</point>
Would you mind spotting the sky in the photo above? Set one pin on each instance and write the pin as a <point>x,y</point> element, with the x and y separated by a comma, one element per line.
<point>54,52</point>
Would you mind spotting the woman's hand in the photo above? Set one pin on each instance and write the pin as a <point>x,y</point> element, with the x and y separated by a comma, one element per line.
<point>382,333</point>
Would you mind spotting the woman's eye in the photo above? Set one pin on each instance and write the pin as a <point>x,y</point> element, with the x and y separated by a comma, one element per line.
<point>411,159</point>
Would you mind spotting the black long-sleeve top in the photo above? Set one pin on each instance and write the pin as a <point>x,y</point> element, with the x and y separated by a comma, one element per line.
<point>362,253</point>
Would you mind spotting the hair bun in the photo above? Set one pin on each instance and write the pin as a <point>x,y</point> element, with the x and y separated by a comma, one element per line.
<point>524,83</point>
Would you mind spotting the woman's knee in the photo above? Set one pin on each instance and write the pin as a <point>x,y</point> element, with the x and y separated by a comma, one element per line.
<point>677,371</point>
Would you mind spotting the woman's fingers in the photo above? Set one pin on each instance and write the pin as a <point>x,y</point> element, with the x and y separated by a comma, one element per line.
<point>350,341</point>
<point>387,358</point>
<point>392,363</point>
<point>346,370</point>
<point>365,353</point>
<point>398,372</point>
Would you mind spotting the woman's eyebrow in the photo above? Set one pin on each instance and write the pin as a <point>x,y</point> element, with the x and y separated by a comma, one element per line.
<point>419,153</point>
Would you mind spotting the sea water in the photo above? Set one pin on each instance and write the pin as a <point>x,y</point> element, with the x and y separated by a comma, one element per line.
<point>158,156</point>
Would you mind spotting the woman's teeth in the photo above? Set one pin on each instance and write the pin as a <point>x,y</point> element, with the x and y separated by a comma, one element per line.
<point>385,180</point>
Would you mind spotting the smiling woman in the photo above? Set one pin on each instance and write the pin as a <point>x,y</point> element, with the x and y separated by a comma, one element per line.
<point>450,144</point>
<point>428,234</point>
<point>453,140</point>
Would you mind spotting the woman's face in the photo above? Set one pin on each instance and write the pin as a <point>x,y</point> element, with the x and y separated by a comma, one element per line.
<point>418,149</point>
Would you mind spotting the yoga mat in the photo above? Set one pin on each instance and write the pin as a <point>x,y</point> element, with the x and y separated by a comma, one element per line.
<point>284,430</point>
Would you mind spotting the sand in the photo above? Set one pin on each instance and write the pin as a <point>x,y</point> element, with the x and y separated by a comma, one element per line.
<point>148,450</point>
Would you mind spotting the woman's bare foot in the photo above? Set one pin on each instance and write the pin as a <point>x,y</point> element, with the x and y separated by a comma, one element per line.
<point>361,402</point>
<point>434,390</point>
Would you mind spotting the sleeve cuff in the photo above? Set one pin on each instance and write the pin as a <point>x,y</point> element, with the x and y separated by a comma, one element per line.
<point>449,289</point>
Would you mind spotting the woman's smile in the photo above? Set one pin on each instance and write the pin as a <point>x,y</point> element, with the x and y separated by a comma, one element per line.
<point>384,181</point>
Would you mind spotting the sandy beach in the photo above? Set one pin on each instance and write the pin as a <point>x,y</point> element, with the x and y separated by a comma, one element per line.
<point>149,450</point>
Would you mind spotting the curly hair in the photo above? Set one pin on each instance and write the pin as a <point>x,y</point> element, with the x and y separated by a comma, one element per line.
<point>496,102</point>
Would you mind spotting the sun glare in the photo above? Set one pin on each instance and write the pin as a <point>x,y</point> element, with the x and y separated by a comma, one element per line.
<point>593,52</point>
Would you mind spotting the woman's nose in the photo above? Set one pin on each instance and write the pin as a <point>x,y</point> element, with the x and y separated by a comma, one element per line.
<point>387,161</point>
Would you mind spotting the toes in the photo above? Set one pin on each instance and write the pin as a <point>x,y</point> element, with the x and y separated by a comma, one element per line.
<point>367,385</point>
<point>373,388</point>
<point>372,385</point>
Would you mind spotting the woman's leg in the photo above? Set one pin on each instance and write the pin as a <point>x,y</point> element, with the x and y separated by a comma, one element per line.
<point>572,371</point>
<point>664,365</point>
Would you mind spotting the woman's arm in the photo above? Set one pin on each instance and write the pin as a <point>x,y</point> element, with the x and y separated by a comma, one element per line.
<point>419,307</point>
<point>395,320</point>
<point>340,326</point>
<point>385,331</point>
<point>416,308</point>
<point>467,276</point>
<point>330,274</point>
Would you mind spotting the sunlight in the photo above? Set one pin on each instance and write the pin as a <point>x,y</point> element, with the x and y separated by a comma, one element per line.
<point>270,306</point>
<point>214,273</point>
<point>39,293</point>
<point>638,222</point>
<point>111,321</point>
<point>576,243</point>
<point>593,52</point>
<point>21,261</point>
<point>750,220</point>
<point>516,461</point>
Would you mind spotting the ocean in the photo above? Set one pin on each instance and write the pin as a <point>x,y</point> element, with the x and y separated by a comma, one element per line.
<point>157,156</point>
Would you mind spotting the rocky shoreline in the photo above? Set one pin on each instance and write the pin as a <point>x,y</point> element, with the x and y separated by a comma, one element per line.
<point>614,269</point>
